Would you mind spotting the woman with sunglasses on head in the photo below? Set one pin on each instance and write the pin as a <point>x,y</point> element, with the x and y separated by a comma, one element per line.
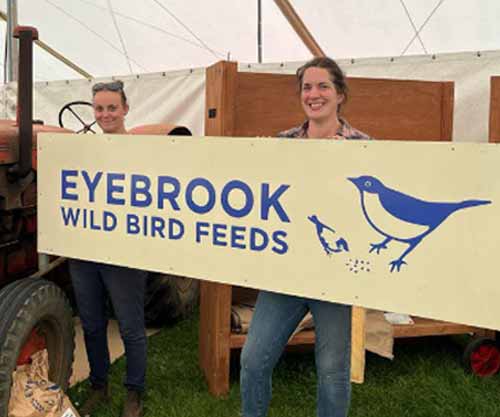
<point>323,90</point>
<point>94,282</point>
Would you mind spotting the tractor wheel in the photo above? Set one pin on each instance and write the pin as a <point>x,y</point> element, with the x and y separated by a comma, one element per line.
<point>169,298</point>
<point>34,311</point>
<point>482,357</point>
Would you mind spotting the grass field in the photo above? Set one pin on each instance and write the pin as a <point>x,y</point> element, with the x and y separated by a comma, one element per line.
<point>425,380</point>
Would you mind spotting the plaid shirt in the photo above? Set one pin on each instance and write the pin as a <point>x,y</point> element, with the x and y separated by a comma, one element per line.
<point>345,130</point>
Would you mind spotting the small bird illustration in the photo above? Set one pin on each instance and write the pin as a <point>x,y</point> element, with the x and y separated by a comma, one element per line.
<point>325,234</point>
<point>401,217</point>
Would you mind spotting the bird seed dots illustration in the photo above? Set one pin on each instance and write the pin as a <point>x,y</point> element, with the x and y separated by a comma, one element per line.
<point>358,265</point>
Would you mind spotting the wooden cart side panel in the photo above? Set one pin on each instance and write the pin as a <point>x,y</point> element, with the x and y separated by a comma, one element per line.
<point>494,125</point>
<point>387,109</point>
<point>266,104</point>
<point>400,109</point>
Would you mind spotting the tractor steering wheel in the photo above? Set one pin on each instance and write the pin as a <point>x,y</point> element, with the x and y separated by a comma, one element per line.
<point>71,108</point>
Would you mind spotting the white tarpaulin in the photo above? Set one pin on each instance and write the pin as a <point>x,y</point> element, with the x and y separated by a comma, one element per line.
<point>176,97</point>
<point>179,97</point>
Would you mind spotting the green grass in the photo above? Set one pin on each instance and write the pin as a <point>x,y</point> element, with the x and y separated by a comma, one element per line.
<point>425,380</point>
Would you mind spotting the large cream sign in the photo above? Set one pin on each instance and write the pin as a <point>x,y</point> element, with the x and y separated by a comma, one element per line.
<point>400,226</point>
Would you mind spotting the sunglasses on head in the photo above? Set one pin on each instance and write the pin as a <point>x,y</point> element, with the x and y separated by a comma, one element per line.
<point>111,86</point>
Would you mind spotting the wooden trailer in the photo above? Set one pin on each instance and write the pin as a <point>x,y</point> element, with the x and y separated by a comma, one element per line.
<point>256,104</point>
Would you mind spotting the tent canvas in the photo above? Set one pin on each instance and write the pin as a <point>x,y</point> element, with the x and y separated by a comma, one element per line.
<point>110,37</point>
<point>179,96</point>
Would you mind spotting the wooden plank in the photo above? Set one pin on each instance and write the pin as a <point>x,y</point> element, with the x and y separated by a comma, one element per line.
<point>214,335</point>
<point>215,299</point>
<point>358,329</point>
<point>447,108</point>
<point>494,125</point>
<point>305,337</point>
<point>428,327</point>
<point>422,327</point>
<point>491,334</point>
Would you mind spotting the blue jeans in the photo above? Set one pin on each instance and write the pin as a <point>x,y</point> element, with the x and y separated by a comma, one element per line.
<point>276,317</point>
<point>125,287</point>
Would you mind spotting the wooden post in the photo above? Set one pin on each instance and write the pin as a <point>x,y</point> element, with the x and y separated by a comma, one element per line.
<point>220,99</point>
<point>215,299</point>
<point>494,125</point>
<point>447,104</point>
<point>215,335</point>
<point>358,330</point>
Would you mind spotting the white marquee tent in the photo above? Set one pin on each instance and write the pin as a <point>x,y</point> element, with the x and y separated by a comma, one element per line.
<point>105,36</point>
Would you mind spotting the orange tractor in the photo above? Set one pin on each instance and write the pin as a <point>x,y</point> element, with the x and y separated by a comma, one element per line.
<point>35,292</point>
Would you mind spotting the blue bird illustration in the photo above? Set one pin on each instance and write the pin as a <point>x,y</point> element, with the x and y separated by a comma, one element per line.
<point>401,217</point>
<point>325,234</point>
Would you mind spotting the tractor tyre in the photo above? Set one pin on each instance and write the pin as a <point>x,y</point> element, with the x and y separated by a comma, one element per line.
<point>169,298</point>
<point>28,305</point>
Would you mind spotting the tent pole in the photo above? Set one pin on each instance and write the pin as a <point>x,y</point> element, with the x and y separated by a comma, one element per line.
<point>63,59</point>
<point>48,49</point>
<point>299,27</point>
<point>12,44</point>
<point>259,30</point>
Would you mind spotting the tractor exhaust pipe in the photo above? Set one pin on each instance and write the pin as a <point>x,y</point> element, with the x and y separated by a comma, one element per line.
<point>26,36</point>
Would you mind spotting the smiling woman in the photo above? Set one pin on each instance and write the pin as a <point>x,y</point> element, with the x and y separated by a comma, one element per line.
<point>110,106</point>
<point>323,90</point>
<point>93,282</point>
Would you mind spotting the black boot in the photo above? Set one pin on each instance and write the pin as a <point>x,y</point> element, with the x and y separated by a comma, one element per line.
<point>133,404</point>
<point>97,397</point>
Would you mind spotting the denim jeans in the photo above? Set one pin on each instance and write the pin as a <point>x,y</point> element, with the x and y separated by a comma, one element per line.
<point>276,317</point>
<point>125,287</point>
